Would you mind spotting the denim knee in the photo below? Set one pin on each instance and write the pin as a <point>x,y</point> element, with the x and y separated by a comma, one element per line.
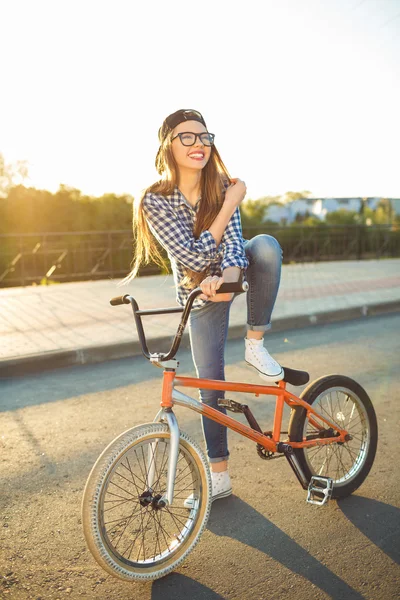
<point>265,249</point>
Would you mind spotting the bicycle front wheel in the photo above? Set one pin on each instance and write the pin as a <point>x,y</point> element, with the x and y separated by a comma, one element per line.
<point>127,532</point>
<point>345,403</point>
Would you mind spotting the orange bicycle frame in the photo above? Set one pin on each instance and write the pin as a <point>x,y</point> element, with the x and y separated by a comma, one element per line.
<point>170,381</point>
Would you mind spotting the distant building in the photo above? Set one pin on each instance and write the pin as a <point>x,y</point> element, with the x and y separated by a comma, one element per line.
<point>302,207</point>
<point>320,207</point>
<point>396,205</point>
<point>278,213</point>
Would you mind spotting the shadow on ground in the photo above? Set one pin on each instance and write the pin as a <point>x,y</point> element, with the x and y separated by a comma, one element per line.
<point>180,586</point>
<point>378,521</point>
<point>258,532</point>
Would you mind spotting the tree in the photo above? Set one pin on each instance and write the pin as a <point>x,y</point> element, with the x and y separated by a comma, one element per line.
<point>313,221</point>
<point>10,173</point>
<point>253,212</point>
<point>291,196</point>
<point>342,217</point>
<point>384,213</point>
<point>28,210</point>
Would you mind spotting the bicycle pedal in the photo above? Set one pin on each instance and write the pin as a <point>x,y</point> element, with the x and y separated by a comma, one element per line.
<point>319,490</point>
<point>231,405</point>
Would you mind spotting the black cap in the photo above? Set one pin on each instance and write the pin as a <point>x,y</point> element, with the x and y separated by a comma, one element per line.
<point>178,117</point>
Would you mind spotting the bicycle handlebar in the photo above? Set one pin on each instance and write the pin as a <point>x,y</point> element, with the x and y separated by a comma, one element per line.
<point>119,300</point>
<point>226,288</point>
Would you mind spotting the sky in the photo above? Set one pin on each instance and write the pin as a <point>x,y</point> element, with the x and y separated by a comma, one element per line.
<point>302,95</point>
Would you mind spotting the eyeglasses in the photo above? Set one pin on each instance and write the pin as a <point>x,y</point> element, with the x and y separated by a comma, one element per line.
<point>189,139</point>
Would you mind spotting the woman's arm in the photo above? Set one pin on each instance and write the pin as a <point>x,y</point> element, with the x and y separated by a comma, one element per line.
<point>217,229</point>
<point>232,242</point>
<point>234,195</point>
<point>233,262</point>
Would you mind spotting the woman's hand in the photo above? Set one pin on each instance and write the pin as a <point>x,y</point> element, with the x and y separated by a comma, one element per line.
<point>209,286</point>
<point>236,192</point>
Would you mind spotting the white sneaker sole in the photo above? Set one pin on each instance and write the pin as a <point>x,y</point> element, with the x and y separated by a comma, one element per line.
<point>269,378</point>
<point>189,501</point>
<point>222,495</point>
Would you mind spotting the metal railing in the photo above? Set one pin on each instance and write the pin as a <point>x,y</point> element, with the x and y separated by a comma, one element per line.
<point>88,255</point>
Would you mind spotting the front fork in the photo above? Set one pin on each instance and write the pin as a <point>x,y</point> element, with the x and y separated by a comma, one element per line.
<point>165,415</point>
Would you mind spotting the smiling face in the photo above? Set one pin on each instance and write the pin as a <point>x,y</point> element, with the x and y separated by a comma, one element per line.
<point>190,157</point>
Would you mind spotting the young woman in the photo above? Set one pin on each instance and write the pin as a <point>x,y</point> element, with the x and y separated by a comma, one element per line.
<point>193,212</point>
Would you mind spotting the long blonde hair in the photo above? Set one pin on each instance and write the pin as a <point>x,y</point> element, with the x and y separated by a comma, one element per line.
<point>213,176</point>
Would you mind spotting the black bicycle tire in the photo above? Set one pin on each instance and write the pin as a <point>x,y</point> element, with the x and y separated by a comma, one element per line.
<point>297,421</point>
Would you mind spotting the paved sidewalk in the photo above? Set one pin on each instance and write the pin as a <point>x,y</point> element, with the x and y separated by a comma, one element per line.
<point>73,323</point>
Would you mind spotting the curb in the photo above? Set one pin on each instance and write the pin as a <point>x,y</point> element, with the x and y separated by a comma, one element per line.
<point>48,361</point>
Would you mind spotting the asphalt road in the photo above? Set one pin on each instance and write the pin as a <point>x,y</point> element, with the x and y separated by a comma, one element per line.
<point>264,542</point>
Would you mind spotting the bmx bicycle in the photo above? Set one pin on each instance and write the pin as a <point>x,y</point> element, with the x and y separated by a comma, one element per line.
<point>135,519</point>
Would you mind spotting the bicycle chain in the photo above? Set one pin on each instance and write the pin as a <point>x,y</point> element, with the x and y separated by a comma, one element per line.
<point>266,454</point>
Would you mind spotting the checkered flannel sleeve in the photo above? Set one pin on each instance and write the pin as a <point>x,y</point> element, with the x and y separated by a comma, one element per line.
<point>232,241</point>
<point>178,241</point>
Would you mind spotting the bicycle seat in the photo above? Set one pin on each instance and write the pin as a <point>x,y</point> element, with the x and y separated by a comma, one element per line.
<point>295,377</point>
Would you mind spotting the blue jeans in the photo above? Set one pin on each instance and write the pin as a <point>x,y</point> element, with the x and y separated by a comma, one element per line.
<point>208,329</point>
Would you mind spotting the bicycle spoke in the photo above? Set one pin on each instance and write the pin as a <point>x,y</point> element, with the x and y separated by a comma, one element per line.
<point>337,469</point>
<point>118,520</point>
<point>145,473</point>
<point>330,456</point>
<point>345,470</point>
<point>350,453</point>
<point>322,467</point>
<point>118,496</point>
<point>331,418</point>
<point>154,448</point>
<point>340,406</point>
<point>179,490</point>
<point>330,402</point>
<point>141,527</point>
<point>353,426</point>
<point>157,536</point>
<point>116,505</point>
<point>340,461</point>
<point>175,517</point>
<point>178,480</point>
<point>162,467</point>
<point>123,531</point>
<point>163,531</point>
<point>315,449</point>
<point>355,437</point>
<point>118,486</point>
<point>137,535</point>
<point>142,544</point>
<point>352,412</point>
<point>126,479</point>
<point>128,468</point>
<point>133,524</point>
<point>172,510</point>
<point>190,485</point>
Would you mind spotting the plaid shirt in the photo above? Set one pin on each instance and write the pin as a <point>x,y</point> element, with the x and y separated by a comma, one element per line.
<point>171,220</point>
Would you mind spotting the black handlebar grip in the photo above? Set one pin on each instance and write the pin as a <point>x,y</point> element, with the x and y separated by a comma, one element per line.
<point>119,300</point>
<point>229,288</point>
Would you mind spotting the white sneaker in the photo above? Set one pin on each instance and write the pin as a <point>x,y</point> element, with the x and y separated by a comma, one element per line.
<point>258,357</point>
<point>221,488</point>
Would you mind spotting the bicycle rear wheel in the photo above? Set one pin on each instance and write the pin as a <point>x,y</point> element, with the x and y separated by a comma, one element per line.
<point>128,534</point>
<point>346,404</point>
